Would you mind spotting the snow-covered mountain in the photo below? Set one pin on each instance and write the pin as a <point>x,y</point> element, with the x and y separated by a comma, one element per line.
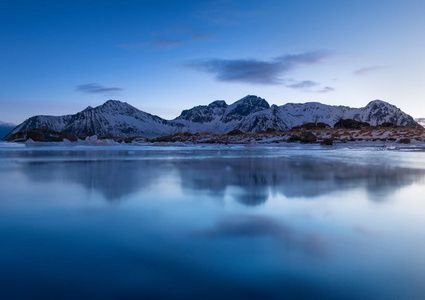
<point>112,119</point>
<point>249,114</point>
<point>5,128</point>
<point>253,114</point>
<point>218,117</point>
<point>375,113</point>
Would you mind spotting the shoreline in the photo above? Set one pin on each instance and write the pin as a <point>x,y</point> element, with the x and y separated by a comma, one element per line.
<point>328,136</point>
<point>396,137</point>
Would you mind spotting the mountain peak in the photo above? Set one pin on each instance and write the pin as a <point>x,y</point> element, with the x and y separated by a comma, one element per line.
<point>115,106</point>
<point>378,102</point>
<point>243,107</point>
<point>379,105</point>
<point>254,101</point>
<point>204,113</point>
<point>377,112</point>
<point>88,108</point>
<point>218,103</point>
<point>115,103</point>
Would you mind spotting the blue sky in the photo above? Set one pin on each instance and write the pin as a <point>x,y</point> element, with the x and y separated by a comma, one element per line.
<point>58,57</point>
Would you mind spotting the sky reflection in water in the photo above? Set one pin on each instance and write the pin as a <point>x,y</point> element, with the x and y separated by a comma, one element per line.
<point>211,222</point>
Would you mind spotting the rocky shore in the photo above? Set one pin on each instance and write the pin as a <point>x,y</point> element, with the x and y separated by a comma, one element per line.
<point>308,133</point>
<point>324,136</point>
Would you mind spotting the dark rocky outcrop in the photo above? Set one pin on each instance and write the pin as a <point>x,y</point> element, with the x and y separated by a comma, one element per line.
<point>235,132</point>
<point>308,137</point>
<point>404,141</point>
<point>41,135</point>
<point>327,142</point>
<point>305,137</point>
<point>270,130</point>
<point>311,126</point>
<point>350,124</point>
<point>388,125</point>
<point>294,138</point>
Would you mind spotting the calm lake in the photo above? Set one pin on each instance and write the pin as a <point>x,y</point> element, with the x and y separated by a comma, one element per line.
<point>211,222</point>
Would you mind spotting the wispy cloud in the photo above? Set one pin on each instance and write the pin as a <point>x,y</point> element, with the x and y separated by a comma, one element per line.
<point>257,71</point>
<point>308,85</point>
<point>94,88</point>
<point>166,43</point>
<point>251,71</point>
<point>200,36</point>
<point>138,45</point>
<point>157,44</point>
<point>326,89</point>
<point>303,84</point>
<point>368,70</point>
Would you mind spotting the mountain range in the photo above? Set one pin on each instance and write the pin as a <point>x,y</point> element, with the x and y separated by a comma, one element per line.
<point>249,114</point>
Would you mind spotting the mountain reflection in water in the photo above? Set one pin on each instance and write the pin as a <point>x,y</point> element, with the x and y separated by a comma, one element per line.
<point>252,179</point>
<point>217,222</point>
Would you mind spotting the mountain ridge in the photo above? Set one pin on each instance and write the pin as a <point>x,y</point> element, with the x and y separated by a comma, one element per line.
<point>115,118</point>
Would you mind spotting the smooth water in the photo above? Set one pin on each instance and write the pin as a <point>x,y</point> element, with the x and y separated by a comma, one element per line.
<point>216,222</point>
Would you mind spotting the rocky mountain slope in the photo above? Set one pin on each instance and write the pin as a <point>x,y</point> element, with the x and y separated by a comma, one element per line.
<point>218,117</point>
<point>113,118</point>
<point>253,114</point>
<point>375,113</point>
<point>249,114</point>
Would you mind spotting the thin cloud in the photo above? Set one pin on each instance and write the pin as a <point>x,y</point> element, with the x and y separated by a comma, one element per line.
<point>139,45</point>
<point>163,43</point>
<point>257,71</point>
<point>326,89</point>
<point>365,71</point>
<point>250,71</point>
<point>306,84</point>
<point>305,58</point>
<point>201,36</point>
<point>166,43</point>
<point>94,88</point>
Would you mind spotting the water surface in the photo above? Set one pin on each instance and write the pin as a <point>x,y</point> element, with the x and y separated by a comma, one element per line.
<point>211,222</point>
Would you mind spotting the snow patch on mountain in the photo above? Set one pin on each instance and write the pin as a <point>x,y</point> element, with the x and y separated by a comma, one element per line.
<point>244,107</point>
